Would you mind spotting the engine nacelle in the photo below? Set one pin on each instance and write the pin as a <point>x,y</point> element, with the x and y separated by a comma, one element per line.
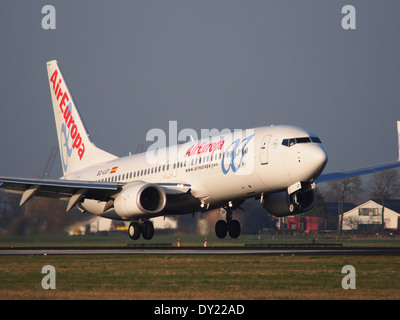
<point>282,204</point>
<point>140,199</point>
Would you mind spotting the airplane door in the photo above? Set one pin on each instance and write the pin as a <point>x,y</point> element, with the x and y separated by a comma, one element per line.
<point>264,149</point>
<point>171,169</point>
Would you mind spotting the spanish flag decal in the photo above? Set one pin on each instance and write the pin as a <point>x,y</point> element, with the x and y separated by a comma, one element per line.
<point>113,170</point>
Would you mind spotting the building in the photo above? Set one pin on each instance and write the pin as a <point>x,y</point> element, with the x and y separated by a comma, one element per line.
<point>306,224</point>
<point>332,214</point>
<point>324,222</point>
<point>368,216</point>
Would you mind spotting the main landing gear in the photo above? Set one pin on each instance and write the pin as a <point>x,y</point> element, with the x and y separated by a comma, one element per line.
<point>142,227</point>
<point>230,226</point>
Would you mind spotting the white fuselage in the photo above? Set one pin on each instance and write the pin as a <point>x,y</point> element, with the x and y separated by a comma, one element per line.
<point>220,169</point>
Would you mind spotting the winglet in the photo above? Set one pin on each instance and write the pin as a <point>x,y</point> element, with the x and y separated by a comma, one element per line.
<point>398,138</point>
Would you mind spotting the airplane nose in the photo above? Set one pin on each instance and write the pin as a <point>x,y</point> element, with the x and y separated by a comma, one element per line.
<point>315,160</point>
<point>319,159</point>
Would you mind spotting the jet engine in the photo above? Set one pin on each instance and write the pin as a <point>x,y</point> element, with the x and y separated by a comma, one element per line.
<point>138,200</point>
<point>282,204</point>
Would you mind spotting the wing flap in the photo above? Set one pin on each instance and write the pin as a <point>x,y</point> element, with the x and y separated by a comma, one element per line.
<point>28,194</point>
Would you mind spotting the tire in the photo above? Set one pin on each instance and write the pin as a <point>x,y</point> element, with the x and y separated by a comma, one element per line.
<point>221,229</point>
<point>294,208</point>
<point>234,229</point>
<point>148,230</point>
<point>134,230</point>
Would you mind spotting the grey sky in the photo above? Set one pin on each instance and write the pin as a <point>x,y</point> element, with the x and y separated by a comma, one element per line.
<point>134,65</point>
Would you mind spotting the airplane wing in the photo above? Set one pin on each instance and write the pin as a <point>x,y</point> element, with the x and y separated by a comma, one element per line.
<point>325,177</point>
<point>71,190</point>
<point>75,190</point>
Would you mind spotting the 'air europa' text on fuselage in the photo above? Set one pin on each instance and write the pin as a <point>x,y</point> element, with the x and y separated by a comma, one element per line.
<point>204,147</point>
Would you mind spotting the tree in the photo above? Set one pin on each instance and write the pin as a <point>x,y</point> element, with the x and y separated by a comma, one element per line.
<point>384,185</point>
<point>319,207</point>
<point>46,215</point>
<point>343,188</point>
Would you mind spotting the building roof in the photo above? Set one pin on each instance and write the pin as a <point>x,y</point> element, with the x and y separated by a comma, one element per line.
<point>391,204</point>
<point>333,208</point>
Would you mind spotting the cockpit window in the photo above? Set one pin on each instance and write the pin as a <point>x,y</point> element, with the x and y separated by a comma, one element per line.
<point>303,140</point>
<point>316,140</point>
<point>289,142</point>
<point>293,141</point>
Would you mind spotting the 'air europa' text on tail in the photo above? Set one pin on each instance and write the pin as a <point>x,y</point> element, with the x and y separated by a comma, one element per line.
<point>67,112</point>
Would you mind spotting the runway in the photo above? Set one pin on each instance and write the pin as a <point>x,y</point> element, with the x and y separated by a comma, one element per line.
<point>282,251</point>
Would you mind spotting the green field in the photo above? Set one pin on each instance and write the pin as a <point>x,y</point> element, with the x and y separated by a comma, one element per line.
<point>199,277</point>
<point>196,277</point>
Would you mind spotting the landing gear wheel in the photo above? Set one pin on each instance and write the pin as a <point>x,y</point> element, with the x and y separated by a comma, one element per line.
<point>147,230</point>
<point>294,208</point>
<point>234,229</point>
<point>221,229</point>
<point>134,230</point>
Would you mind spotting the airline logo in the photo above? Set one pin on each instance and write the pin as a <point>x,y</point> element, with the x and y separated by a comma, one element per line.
<point>204,147</point>
<point>234,154</point>
<point>60,93</point>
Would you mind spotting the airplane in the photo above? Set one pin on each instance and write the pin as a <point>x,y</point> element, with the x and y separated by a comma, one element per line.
<point>278,165</point>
